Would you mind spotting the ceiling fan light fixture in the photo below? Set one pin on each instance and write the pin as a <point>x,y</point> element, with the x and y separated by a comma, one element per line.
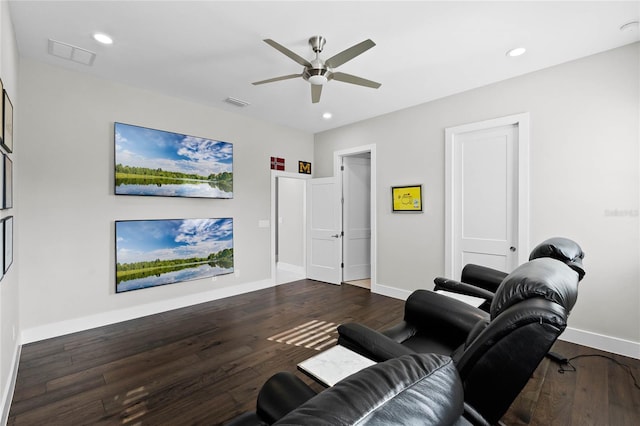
<point>317,74</point>
<point>318,80</point>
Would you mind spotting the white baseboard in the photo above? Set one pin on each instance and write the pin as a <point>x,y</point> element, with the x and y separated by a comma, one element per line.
<point>289,267</point>
<point>385,290</point>
<point>573,335</point>
<point>600,341</point>
<point>61,328</point>
<point>7,395</point>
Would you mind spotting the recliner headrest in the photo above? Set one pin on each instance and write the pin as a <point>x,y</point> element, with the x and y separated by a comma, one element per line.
<point>562,249</point>
<point>545,277</point>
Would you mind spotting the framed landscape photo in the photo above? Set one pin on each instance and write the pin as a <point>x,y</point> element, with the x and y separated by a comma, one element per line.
<point>7,225</point>
<point>3,181</point>
<point>407,198</point>
<point>2,241</point>
<point>2,112</point>
<point>160,163</point>
<point>7,182</point>
<point>7,122</point>
<point>152,253</point>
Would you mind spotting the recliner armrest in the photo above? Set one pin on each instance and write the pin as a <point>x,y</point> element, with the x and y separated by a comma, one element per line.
<point>400,332</point>
<point>370,343</point>
<point>441,315</point>
<point>281,394</point>
<point>462,288</point>
<point>482,276</point>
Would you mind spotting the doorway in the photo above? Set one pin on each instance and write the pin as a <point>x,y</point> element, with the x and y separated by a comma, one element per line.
<point>356,172</point>
<point>288,218</point>
<point>487,193</point>
<point>356,219</point>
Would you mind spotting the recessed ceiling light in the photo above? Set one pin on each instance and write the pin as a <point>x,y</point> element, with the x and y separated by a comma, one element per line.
<point>102,38</point>
<point>327,115</point>
<point>516,52</point>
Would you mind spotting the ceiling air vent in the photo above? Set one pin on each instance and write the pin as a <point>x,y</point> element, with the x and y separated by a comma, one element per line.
<point>71,53</point>
<point>237,102</point>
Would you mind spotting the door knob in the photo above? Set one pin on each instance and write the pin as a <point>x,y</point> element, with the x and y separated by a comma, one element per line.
<point>336,236</point>
<point>513,249</point>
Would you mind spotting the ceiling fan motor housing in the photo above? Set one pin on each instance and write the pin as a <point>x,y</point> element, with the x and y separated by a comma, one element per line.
<point>317,43</point>
<point>318,73</point>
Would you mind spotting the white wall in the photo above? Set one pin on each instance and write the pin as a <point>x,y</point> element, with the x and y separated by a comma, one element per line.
<point>585,180</point>
<point>68,206</point>
<point>9,290</point>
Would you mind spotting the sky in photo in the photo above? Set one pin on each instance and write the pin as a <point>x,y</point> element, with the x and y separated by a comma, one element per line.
<point>145,240</point>
<point>142,147</point>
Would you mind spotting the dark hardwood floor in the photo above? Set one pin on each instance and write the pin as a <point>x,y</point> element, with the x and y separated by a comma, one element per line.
<point>204,365</point>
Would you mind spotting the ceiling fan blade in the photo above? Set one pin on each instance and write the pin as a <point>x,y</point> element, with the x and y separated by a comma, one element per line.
<point>271,80</point>
<point>349,54</point>
<point>299,59</point>
<point>316,90</point>
<point>348,78</point>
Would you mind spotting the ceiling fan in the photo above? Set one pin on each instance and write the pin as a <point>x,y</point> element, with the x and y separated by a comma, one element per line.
<point>318,71</point>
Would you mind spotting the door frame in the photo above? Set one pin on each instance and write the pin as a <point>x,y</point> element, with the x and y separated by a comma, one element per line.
<point>522,123</point>
<point>274,220</point>
<point>337,163</point>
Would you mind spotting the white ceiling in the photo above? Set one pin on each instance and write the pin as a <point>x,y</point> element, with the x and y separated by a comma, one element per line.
<point>206,51</point>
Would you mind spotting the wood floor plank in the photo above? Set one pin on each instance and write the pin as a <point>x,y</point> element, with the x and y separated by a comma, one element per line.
<point>591,396</point>
<point>204,365</point>
<point>621,392</point>
<point>523,407</point>
<point>555,405</point>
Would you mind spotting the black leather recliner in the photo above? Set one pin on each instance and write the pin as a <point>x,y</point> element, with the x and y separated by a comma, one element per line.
<point>417,389</point>
<point>481,281</point>
<point>496,352</point>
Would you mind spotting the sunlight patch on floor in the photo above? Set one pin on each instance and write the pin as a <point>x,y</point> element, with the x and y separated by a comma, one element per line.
<point>314,334</point>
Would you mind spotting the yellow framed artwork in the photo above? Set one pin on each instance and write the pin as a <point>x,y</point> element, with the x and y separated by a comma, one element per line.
<point>407,198</point>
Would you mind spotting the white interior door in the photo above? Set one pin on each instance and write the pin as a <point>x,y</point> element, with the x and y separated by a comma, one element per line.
<point>323,230</point>
<point>484,193</point>
<point>485,188</point>
<point>356,218</point>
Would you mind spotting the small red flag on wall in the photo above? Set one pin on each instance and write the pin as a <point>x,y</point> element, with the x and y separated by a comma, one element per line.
<point>277,163</point>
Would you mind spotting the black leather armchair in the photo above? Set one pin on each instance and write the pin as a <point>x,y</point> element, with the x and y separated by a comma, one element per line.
<point>414,389</point>
<point>481,281</point>
<point>495,352</point>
